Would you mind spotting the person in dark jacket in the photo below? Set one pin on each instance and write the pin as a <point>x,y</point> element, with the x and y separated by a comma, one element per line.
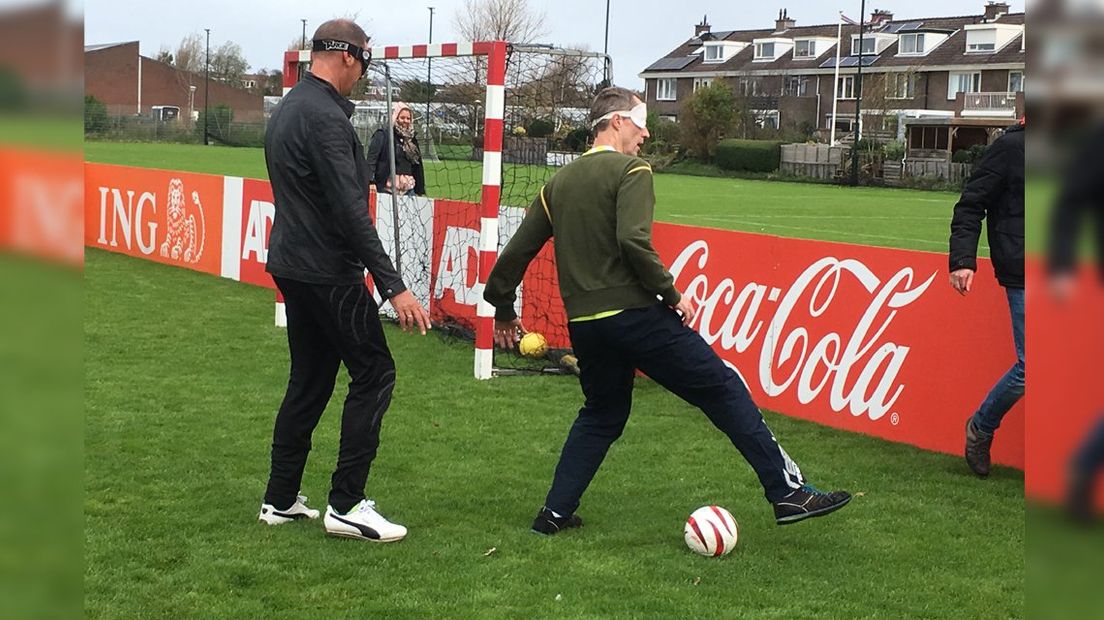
<point>322,240</point>
<point>409,169</point>
<point>995,193</point>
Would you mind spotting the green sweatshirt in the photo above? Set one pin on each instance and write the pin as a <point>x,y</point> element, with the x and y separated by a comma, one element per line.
<point>598,209</point>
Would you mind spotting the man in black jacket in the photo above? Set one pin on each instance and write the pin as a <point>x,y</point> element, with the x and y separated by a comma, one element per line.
<point>321,242</point>
<point>995,193</point>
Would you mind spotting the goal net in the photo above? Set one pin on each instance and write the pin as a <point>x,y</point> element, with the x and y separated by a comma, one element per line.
<point>493,121</point>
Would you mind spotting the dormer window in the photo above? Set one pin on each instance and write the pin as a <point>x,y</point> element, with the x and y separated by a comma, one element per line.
<point>714,53</point>
<point>868,46</point>
<point>770,49</point>
<point>912,43</point>
<point>804,48</point>
<point>988,38</point>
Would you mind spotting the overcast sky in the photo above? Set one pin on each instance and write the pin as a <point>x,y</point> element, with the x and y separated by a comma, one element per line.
<point>641,31</point>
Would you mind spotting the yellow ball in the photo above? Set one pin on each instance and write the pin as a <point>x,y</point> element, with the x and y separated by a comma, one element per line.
<point>533,345</point>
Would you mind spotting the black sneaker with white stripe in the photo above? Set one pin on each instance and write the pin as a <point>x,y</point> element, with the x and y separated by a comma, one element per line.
<point>548,523</point>
<point>808,502</point>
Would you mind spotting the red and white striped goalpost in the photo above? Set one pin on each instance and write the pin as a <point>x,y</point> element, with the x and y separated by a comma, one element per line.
<point>495,52</point>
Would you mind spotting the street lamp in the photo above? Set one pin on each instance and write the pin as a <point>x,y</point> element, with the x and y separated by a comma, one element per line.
<point>858,102</point>
<point>605,48</point>
<point>303,45</point>
<point>207,88</point>
<point>191,104</point>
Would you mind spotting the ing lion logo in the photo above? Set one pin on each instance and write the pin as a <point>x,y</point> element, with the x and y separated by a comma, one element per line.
<point>184,239</point>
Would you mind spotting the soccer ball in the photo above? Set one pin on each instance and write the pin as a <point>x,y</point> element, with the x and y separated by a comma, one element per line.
<point>533,345</point>
<point>711,531</point>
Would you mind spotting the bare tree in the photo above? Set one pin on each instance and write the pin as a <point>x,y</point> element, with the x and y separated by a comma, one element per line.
<point>165,56</point>
<point>189,54</point>
<point>505,20</point>
<point>228,64</point>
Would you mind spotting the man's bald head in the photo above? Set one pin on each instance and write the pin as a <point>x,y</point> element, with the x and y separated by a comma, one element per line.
<point>341,30</point>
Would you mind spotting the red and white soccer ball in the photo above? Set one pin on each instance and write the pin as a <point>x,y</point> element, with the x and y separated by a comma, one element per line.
<point>711,531</point>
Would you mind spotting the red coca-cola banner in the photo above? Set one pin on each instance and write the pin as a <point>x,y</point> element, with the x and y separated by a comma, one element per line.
<point>867,339</point>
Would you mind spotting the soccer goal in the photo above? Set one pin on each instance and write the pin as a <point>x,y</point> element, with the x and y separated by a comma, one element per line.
<point>494,121</point>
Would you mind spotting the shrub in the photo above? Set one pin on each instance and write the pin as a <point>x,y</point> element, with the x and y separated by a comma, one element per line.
<point>577,139</point>
<point>706,118</point>
<point>95,115</point>
<point>749,155</point>
<point>895,150</point>
<point>540,128</point>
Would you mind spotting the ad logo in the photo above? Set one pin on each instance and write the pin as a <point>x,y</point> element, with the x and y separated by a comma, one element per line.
<point>184,238</point>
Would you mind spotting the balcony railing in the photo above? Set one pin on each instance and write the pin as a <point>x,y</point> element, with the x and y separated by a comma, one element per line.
<point>988,104</point>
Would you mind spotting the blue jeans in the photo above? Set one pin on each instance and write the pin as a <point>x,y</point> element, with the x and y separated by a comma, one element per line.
<point>654,340</point>
<point>1010,389</point>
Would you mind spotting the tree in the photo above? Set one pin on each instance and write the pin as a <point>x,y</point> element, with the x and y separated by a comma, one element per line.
<point>95,115</point>
<point>416,91</point>
<point>707,118</point>
<point>165,56</point>
<point>228,64</point>
<point>190,53</point>
<point>298,44</point>
<point>505,20</point>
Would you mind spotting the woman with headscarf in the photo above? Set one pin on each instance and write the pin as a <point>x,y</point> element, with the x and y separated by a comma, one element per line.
<point>409,171</point>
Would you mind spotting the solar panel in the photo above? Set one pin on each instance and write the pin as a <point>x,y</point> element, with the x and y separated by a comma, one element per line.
<point>909,26</point>
<point>849,61</point>
<point>671,64</point>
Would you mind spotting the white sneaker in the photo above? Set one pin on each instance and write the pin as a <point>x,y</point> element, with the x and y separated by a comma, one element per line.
<point>274,516</point>
<point>363,523</point>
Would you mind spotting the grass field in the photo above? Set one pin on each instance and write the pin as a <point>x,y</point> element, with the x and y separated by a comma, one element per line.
<point>870,216</point>
<point>184,373</point>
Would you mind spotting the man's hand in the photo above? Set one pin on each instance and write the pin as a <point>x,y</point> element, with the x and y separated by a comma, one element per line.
<point>962,280</point>
<point>685,308</point>
<point>411,313</point>
<point>508,333</point>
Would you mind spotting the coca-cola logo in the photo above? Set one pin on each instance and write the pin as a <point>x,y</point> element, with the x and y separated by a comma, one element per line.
<point>858,367</point>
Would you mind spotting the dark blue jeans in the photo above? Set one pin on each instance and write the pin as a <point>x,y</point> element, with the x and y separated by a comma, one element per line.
<point>654,340</point>
<point>1010,388</point>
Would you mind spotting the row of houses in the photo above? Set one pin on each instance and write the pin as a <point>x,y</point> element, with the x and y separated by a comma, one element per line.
<point>941,83</point>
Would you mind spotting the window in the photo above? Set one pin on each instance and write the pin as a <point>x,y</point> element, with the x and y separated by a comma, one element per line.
<point>700,82</point>
<point>963,83</point>
<point>869,45</point>
<point>804,48</point>
<point>981,40</point>
<point>665,89</point>
<point>912,43</point>
<point>764,50</point>
<point>901,86</point>
<point>250,83</point>
<point>714,53</point>
<point>750,87</point>
<point>670,117</point>
<point>847,87</point>
<point>796,86</point>
<point>1015,81</point>
<point>844,123</point>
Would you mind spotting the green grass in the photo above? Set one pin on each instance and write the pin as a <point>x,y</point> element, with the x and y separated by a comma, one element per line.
<point>184,373</point>
<point>900,218</point>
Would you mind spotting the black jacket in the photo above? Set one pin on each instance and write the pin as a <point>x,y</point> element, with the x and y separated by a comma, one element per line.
<point>995,193</point>
<point>379,162</point>
<point>322,233</point>
<point>1082,195</point>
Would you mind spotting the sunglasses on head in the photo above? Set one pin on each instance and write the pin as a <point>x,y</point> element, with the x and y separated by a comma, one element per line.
<point>333,45</point>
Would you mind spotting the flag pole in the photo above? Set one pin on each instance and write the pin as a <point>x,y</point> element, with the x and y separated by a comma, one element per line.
<point>835,82</point>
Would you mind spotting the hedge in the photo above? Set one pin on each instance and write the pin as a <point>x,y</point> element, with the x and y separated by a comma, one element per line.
<point>749,155</point>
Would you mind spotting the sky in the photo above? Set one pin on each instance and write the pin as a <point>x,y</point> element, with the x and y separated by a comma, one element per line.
<point>640,31</point>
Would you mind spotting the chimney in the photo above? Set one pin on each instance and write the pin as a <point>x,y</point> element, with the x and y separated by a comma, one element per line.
<point>703,27</point>
<point>880,17</point>
<point>993,10</point>
<point>784,22</point>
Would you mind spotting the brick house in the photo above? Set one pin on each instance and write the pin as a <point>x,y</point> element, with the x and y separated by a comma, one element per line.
<point>969,68</point>
<point>129,83</point>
